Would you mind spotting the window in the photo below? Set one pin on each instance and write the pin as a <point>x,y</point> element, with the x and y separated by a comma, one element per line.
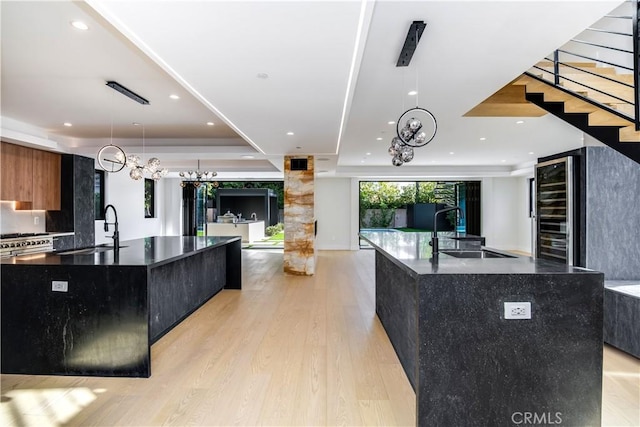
<point>98,194</point>
<point>149,198</point>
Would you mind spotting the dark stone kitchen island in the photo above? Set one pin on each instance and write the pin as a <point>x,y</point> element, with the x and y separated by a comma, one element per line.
<point>97,312</point>
<point>468,365</point>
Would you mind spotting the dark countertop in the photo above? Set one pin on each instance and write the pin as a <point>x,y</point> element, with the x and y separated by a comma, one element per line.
<point>148,251</point>
<point>412,252</point>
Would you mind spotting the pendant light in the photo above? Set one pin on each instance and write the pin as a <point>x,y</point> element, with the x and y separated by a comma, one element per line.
<point>196,177</point>
<point>113,158</point>
<point>417,126</point>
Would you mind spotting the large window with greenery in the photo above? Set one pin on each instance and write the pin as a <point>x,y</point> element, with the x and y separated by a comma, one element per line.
<point>410,205</point>
<point>98,194</point>
<point>379,200</point>
<point>149,198</point>
<point>200,207</point>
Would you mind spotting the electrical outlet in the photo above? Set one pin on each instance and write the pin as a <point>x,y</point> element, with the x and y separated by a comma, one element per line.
<point>36,220</point>
<point>59,286</point>
<point>517,310</point>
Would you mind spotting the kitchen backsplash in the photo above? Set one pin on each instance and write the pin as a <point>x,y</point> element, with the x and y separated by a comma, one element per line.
<point>12,221</point>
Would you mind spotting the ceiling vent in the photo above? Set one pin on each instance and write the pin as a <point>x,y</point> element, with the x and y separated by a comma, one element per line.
<point>299,164</point>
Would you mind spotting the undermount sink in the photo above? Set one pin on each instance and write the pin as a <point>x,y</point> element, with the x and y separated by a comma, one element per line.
<point>475,254</point>
<point>88,251</point>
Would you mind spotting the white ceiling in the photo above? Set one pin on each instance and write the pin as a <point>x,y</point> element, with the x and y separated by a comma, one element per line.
<point>332,81</point>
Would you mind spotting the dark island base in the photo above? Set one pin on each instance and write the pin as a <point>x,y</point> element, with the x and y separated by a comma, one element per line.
<point>471,367</point>
<point>622,316</point>
<point>99,327</point>
<point>106,322</point>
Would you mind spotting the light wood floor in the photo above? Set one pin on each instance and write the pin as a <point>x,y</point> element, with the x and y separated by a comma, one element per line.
<point>285,350</point>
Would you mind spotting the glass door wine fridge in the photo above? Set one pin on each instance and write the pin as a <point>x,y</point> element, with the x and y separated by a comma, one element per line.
<point>554,210</point>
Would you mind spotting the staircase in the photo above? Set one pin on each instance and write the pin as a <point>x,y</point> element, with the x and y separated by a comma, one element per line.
<point>612,129</point>
<point>589,82</point>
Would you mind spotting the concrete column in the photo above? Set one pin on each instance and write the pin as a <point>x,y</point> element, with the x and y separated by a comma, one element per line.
<point>299,218</point>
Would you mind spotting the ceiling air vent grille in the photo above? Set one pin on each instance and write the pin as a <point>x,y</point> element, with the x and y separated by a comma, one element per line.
<point>299,164</point>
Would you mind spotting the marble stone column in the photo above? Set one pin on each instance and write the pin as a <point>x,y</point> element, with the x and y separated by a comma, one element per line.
<point>299,218</point>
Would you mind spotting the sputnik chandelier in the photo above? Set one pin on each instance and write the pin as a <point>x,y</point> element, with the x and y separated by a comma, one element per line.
<point>113,159</point>
<point>196,177</point>
<point>416,127</point>
<point>152,167</point>
<point>419,130</point>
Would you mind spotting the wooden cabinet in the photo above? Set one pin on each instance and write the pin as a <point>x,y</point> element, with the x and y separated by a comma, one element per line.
<point>46,180</point>
<point>30,177</point>
<point>17,171</point>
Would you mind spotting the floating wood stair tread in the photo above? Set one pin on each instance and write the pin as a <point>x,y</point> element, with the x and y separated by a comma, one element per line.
<point>629,134</point>
<point>604,118</point>
<point>509,101</point>
<point>506,110</point>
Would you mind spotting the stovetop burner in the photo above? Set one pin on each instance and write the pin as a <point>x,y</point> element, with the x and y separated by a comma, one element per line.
<point>18,235</point>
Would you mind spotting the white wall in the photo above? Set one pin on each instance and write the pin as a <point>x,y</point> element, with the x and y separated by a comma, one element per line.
<point>13,221</point>
<point>127,196</point>
<point>505,213</point>
<point>172,207</point>
<point>333,197</point>
<point>524,222</point>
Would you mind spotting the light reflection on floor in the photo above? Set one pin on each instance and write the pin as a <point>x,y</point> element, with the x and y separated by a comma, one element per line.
<point>44,407</point>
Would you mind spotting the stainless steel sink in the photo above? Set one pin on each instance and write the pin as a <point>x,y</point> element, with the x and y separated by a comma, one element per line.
<point>88,251</point>
<point>475,254</point>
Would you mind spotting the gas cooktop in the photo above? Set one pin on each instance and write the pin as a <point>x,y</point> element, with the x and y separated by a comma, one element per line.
<point>18,235</point>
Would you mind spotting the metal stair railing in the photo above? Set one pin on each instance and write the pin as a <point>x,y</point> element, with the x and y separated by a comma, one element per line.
<point>613,42</point>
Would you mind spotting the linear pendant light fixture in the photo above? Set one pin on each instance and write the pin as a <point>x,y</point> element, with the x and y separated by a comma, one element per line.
<point>126,92</point>
<point>410,43</point>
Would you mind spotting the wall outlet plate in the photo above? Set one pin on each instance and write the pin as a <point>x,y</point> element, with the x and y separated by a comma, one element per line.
<point>59,286</point>
<point>517,310</point>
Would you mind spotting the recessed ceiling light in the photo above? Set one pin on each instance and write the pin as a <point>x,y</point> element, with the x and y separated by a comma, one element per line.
<point>483,139</point>
<point>135,124</point>
<point>531,152</point>
<point>173,96</point>
<point>262,75</point>
<point>210,123</point>
<point>519,122</point>
<point>362,161</point>
<point>368,154</point>
<point>413,92</point>
<point>503,160</point>
<point>298,147</point>
<point>289,133</point>
<point>379,138</point>
<point>391,122</point>
<point>451,152</point>
<point>67,124</point>
<point>248,156</point>
<point>79,25</point>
